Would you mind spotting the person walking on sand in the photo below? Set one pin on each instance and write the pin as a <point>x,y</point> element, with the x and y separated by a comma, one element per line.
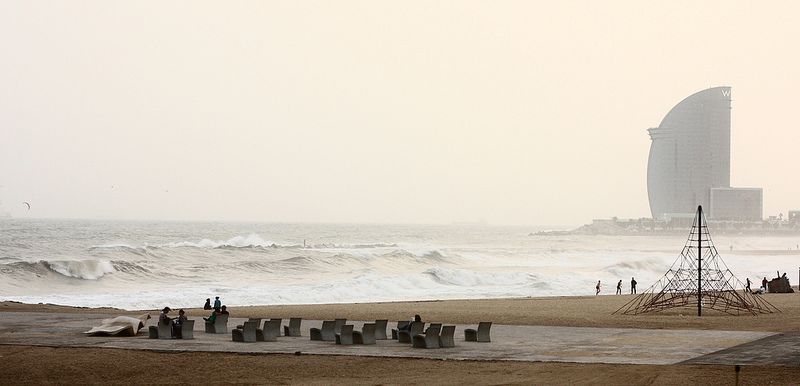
<point>633,286</point>
<point>619,288</point>
<point>748,286</point>
<point>597,287</point>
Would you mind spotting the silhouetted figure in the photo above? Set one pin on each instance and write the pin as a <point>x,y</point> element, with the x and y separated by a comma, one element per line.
<point>217,303</point>
<point>764,283</point>
<point>633,285</point>
<point>619,288</point>
<point>163,318</point>
<point>224,311</point>
<point>407,327</point>
<point>597,287</point>
<point>177,323</point>
<point>748,285</point>
<point>207,306</point>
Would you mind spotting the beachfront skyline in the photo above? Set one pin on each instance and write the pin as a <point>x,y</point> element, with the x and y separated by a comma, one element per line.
<point>413,112</point>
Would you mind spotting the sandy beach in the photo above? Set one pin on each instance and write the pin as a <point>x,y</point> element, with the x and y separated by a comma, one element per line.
<point>68,365</point>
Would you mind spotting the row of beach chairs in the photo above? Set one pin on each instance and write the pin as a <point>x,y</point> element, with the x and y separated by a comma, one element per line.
<point>338,331</point>
<point>271,330</point>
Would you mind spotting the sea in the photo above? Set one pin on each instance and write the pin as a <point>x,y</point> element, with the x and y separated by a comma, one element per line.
<point>146,265</point>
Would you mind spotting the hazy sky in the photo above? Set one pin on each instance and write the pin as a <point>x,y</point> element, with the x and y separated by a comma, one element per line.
<point>518,112</point>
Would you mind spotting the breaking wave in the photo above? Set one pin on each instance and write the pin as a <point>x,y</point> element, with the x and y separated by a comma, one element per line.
<point>468,278</point>
<point>78,269</point>
<point>81,269</point>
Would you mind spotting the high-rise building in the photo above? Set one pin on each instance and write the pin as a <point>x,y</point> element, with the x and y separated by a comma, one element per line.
<point>690,154</point>
<point>736,204</point>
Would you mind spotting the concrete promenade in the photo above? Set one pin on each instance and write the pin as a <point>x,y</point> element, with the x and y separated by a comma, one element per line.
<point>518,343</point>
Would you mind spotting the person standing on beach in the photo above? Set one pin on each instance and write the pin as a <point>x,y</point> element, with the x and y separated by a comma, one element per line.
<point>619,288</point>
<point>597,287</point>
<point>633,286</point>
<point>217,303</point>
<point>764,283</point>
<point>748,285</point>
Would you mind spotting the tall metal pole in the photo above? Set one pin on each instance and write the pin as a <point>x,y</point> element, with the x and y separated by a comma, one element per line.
<point>699,258</point>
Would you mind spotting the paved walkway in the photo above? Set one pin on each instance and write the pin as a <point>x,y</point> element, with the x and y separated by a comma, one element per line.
<point>779,349</point>
<point>520,343</point>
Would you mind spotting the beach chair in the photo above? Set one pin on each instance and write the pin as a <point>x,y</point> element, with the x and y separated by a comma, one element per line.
<point>400,325</point>
<point>366,335</point>
<point>257,320</point>
<point>479,335</point>
<point>326,333</point>
<point>338,325</point>
<point>271,331</point>
<point>245,334</point>
<point>187,329</point>
<point>220,325</point>
<point>416,329</point>
<point>380,329</point>
<point>293,329</point>
<point>446,337</point>
<point>345,335</point>
<point>161,331</point>
<point>436,325</point>
<point>430,339</point>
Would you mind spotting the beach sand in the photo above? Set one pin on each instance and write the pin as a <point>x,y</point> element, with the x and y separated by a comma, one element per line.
<point>38,365</point>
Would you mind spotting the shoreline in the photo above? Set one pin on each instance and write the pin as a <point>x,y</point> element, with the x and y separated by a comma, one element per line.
<point>566,311</point>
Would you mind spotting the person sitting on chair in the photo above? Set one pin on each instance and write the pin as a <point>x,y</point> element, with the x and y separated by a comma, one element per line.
<point>407,327</point>
<point>177,323</point>
<point>163,318</point>
<point>213,317</point>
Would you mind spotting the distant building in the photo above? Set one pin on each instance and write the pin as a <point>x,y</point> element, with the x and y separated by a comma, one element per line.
<point>690,155</point>
<point>739,204</point>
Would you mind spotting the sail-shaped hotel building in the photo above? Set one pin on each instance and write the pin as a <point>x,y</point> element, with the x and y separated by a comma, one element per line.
<point>689,162</point>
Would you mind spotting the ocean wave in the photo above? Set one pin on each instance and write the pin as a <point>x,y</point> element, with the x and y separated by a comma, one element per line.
<point>353,246</point>
<point>433,255</point>
<point>468,278</point>
<point>140,251</point>
<point>81,269</point>
<point>624,268</point>
<point>129,267</point>
<point>249,241</point>
<point>74,269</point>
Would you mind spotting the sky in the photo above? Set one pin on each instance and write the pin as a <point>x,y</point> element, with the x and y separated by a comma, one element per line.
<point>512,112</point>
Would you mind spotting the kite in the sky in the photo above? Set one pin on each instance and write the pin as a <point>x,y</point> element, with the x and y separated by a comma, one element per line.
<point>29,205</point>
